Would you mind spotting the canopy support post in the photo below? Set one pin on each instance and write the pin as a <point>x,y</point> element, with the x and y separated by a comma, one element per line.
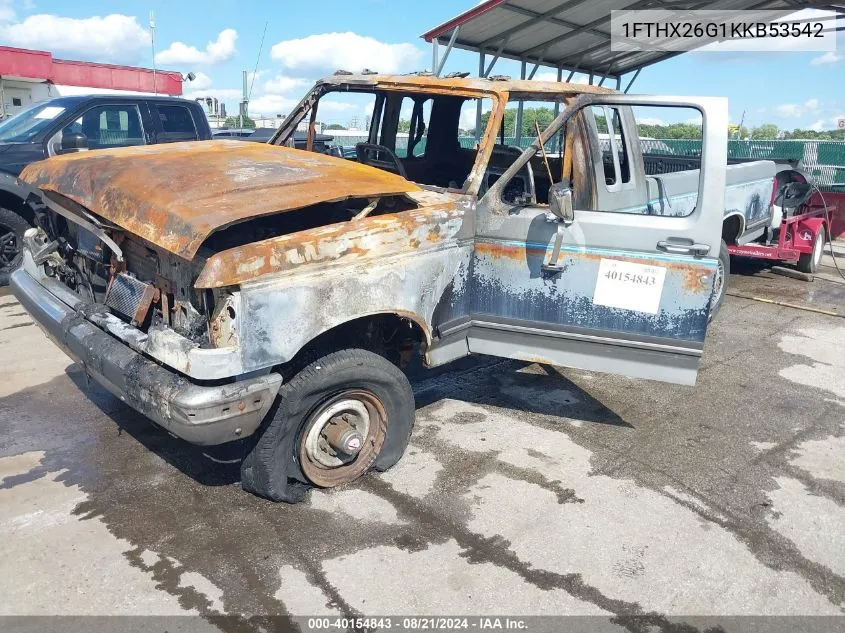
<point>495,58</point>
<point>448,50</point>
<point>631,83</point>
<point>478,105</point>
<point>519,108</point>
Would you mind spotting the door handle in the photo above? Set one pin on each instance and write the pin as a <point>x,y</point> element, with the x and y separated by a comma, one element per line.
<point>686,247</point>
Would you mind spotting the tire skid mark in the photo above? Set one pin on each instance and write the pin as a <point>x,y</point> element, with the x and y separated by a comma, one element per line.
<point>496,550</point>
<point>767,545</point>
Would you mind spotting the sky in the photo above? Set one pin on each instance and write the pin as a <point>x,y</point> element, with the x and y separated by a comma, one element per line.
<point>218,39</point>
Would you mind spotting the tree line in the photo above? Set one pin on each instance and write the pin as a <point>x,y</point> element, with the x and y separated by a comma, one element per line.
<point>543,116</point>
<point>765,131</point>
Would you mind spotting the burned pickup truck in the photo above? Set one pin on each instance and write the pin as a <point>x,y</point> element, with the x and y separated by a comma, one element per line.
<point>238,291</point>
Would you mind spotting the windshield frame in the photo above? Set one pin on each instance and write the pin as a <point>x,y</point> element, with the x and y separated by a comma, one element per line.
<point>484,150</point>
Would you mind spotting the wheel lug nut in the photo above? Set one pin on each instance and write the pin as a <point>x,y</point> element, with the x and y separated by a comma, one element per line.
<point>342,437</point>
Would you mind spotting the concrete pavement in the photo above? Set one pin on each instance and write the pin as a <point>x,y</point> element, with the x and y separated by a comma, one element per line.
<point>526,490</point>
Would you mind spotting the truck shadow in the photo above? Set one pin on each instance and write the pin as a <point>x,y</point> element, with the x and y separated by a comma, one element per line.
<point>748,266</point>
<point>477,380</point>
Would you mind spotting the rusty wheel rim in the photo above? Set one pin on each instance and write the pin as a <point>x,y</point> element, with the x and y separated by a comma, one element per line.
<point>343,420</point>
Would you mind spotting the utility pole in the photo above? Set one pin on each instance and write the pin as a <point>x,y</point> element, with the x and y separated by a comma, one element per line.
<point>153,42</point>
<point>244,104</point>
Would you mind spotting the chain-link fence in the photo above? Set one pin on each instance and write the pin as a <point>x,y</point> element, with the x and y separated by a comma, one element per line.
<point>823,160</point>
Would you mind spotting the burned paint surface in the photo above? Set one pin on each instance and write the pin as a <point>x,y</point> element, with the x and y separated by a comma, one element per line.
<point>507,282</point>
<point>434,225</point>
<point>464,85</point>
<point>288,312</point>
<point>175,195</point>
<point>379,271</point>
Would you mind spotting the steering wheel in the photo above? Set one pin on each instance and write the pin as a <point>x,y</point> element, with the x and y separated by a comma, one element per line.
<point>368,154</point>
<point>526,172</point>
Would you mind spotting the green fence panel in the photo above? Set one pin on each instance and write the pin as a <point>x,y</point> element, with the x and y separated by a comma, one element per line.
<point>824,160</point>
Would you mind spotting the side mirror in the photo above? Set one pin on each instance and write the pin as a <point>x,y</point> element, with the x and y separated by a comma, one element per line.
<point>74,141</point>
<point>560,203</point>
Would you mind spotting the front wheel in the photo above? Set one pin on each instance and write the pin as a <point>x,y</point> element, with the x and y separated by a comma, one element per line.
<point>342,415</point>
<point>809,262</point>
<point>12,228</point>
<point>720,280</point>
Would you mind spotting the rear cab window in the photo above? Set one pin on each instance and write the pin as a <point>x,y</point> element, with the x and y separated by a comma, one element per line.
<point>177,123</point>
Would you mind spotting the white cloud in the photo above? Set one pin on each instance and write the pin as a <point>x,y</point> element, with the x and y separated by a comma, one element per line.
<point>281,84</point>
<point>551,75</point>
<point>818,126</point>
<point>788,110</point>
<point>220,50</point>
<point>113,38</point>
<point>201,82</point>
<point>272,105</point>
<point>326,52</point>
<point>256,75</point>
<point>468,117</point>
<point>651,120</point>
<point>7,11</point>
<point>829,57</point>
<point>792,110</point>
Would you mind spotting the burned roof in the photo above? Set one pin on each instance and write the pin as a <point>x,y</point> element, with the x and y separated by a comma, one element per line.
<point>462,85</point>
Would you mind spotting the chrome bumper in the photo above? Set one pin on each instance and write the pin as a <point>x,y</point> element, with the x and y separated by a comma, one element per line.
<point>196,413</point>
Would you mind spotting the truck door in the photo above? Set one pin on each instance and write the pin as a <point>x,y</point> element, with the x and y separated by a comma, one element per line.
<point>628,290</point>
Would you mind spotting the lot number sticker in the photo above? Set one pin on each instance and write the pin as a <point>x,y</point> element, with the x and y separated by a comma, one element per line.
<point>629,286</point>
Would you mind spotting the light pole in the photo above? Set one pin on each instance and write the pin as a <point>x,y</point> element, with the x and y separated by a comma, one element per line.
<point>153,43</point>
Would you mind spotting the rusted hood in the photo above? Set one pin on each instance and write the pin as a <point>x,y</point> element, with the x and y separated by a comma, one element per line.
<point>176,195</point>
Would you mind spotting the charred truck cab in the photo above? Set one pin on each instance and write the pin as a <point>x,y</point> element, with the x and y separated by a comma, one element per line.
<point>232,290</point>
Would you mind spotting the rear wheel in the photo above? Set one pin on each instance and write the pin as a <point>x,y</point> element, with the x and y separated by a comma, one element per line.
<point>809,262</point>
<point>720,280</point>
<point>12,228</point>
<point>342,415</point>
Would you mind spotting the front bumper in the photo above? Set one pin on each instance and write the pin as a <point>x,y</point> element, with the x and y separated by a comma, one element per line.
<point>197,413</point>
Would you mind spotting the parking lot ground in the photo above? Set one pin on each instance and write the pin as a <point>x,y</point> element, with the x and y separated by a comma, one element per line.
<point>526,490</point>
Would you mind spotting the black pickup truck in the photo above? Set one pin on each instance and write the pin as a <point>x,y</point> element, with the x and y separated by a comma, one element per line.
<point>80,123</point>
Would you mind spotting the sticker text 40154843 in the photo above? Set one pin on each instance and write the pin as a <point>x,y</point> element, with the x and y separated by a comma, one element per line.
<point>629,286</point>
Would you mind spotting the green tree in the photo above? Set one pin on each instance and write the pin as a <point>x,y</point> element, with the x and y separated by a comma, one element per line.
<point>766,131</point>
<point>813,135</point>
<point>235,121</point>
<point>335,126</point>
<point>671,131</point>
<point>542,115</point>
<point>404,125</point>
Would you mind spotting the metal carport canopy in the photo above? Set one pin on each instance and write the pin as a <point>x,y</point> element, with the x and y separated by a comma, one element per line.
<point>572,35</point>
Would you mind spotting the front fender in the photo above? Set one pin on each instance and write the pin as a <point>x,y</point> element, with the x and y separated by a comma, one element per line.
<point>16,186</point>
<point>283,314</point>
<point>18,196</point>
<point>804,235</point>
